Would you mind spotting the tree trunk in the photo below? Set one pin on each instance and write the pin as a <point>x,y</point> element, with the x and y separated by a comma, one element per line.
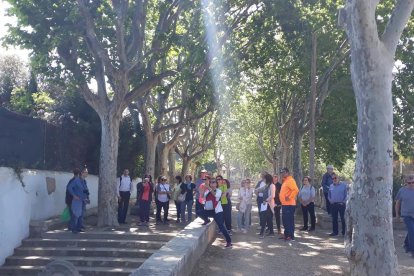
<point>370,243</point>
<point>312,111</point>
<point>171,164</point>
<point>107,198</point>
<point>150,153</point>
<point>163,159</point>
<point>297,156</point>
<point>186,166</point>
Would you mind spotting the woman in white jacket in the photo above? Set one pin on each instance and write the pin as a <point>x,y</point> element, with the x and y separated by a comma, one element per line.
<point>244,206</point>
<point>267,207</point>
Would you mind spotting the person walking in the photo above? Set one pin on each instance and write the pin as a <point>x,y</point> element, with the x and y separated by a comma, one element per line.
<point>213,208</point>
<point>187,188</point>
<point>244,206</point>
<point>307,201</point>
<point>278,204</point>
<point>163,197</point>
<point>175,194</point>
<point>337,197</point>
<point>267,207</point>
<point>326,184</point>
<point>287,196</point>
<point>144,197</point>
<point>124,194</point>
<point>404,207</point>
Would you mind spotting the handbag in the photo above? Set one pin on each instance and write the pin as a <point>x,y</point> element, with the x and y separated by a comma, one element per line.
<point>65,216</point>
<point>181,197</point>
<point>208,205</point>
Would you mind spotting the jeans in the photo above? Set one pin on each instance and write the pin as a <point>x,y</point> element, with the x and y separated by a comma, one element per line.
<point>338,208</point>
<point>164,206</point>
<point>227,215</point>
<point>243,218</point>
<point>123,206</point>
<point>259,202</point>
<point>310,208</point>
<point>277,216</point>
<point>328,204</point>
<point>189,206</point>
<point>288,219</point>
<point>75,223</point>
<point>199,208</point>
<point>409,223</point>
<point>144,210</point>
<point>219,219</point>
<point>266,218</point>
<point>178,207</point>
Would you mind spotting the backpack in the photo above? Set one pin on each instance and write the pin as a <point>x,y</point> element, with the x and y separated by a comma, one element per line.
<point>211,198</point>
<point>68,196</point>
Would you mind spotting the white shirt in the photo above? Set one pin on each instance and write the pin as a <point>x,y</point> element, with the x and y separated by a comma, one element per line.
<point>261,185</point>
<point>163,188</point>
<point>218,208</point>
<point>246,195</point>
<point>125,184</point>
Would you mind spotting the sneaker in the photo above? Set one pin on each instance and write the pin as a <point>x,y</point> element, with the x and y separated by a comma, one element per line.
<point>303,228</point>
<point>205,223</point>
<point>311,229</point>
<point>244,231</point>
<point>289,239</point>
<point>261,236</point>
<point>333,234</point>
<point>177,221</point>
<point>228,245</point>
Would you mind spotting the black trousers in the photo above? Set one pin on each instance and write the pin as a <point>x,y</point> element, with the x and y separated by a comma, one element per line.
<point>310,208</point>
<point>178,207</point>
<point>266,218</point>
<point>164,206</point>
<point>123,206</point>
<point>144,210</point>
<point>328,204</point>
<point>277,216</point>
<point>338,208</point>
<point>227,215</point>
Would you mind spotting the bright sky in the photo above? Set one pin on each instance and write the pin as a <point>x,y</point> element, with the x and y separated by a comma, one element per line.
<point>3,30</point>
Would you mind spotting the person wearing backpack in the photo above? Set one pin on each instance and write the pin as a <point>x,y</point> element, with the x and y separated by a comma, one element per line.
<point>144,199</point>
<point>163,199</point>
<point>76,190</point>
<point>278,204</point>
<point>267,206</point>
<point>124,194</point>
<point>307,198</point>
<point>187,191</point>
<point>214,209</point>
<point>69,196</point>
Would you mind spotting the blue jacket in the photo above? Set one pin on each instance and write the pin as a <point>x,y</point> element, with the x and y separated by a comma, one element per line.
<point>326,182</point>
<point>76,188</point>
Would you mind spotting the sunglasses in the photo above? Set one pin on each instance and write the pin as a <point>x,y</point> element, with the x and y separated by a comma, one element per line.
<point>410,182</point>
<point>334,178</point>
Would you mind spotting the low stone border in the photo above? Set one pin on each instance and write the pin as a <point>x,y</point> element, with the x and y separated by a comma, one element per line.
<point>179,255</point>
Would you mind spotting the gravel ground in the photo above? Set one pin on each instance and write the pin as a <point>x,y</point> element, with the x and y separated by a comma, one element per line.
<point>312,253</point>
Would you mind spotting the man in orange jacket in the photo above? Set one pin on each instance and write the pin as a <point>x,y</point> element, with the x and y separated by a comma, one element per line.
<point>287,197</point>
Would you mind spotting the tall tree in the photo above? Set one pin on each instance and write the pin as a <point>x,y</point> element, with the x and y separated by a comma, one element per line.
<point>369,239</point>
<point>115,43</point>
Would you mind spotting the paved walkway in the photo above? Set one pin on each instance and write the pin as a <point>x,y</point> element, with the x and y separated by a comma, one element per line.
<point>311,254</point>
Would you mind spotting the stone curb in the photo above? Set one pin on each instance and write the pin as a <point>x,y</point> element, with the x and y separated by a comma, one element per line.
<point>179,255</point>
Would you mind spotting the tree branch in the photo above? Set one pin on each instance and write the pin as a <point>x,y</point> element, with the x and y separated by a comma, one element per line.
<point>396,24</point>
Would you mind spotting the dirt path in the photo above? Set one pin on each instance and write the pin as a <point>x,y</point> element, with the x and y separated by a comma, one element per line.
<point>312,253</point>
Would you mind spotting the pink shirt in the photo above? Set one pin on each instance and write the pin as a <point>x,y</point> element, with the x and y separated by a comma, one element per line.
<point>202,189</point>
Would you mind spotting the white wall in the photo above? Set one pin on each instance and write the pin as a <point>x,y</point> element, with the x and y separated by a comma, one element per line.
<point>19,205</point>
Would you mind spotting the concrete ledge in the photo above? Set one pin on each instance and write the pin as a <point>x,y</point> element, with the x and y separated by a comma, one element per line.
<point>179,255</point>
